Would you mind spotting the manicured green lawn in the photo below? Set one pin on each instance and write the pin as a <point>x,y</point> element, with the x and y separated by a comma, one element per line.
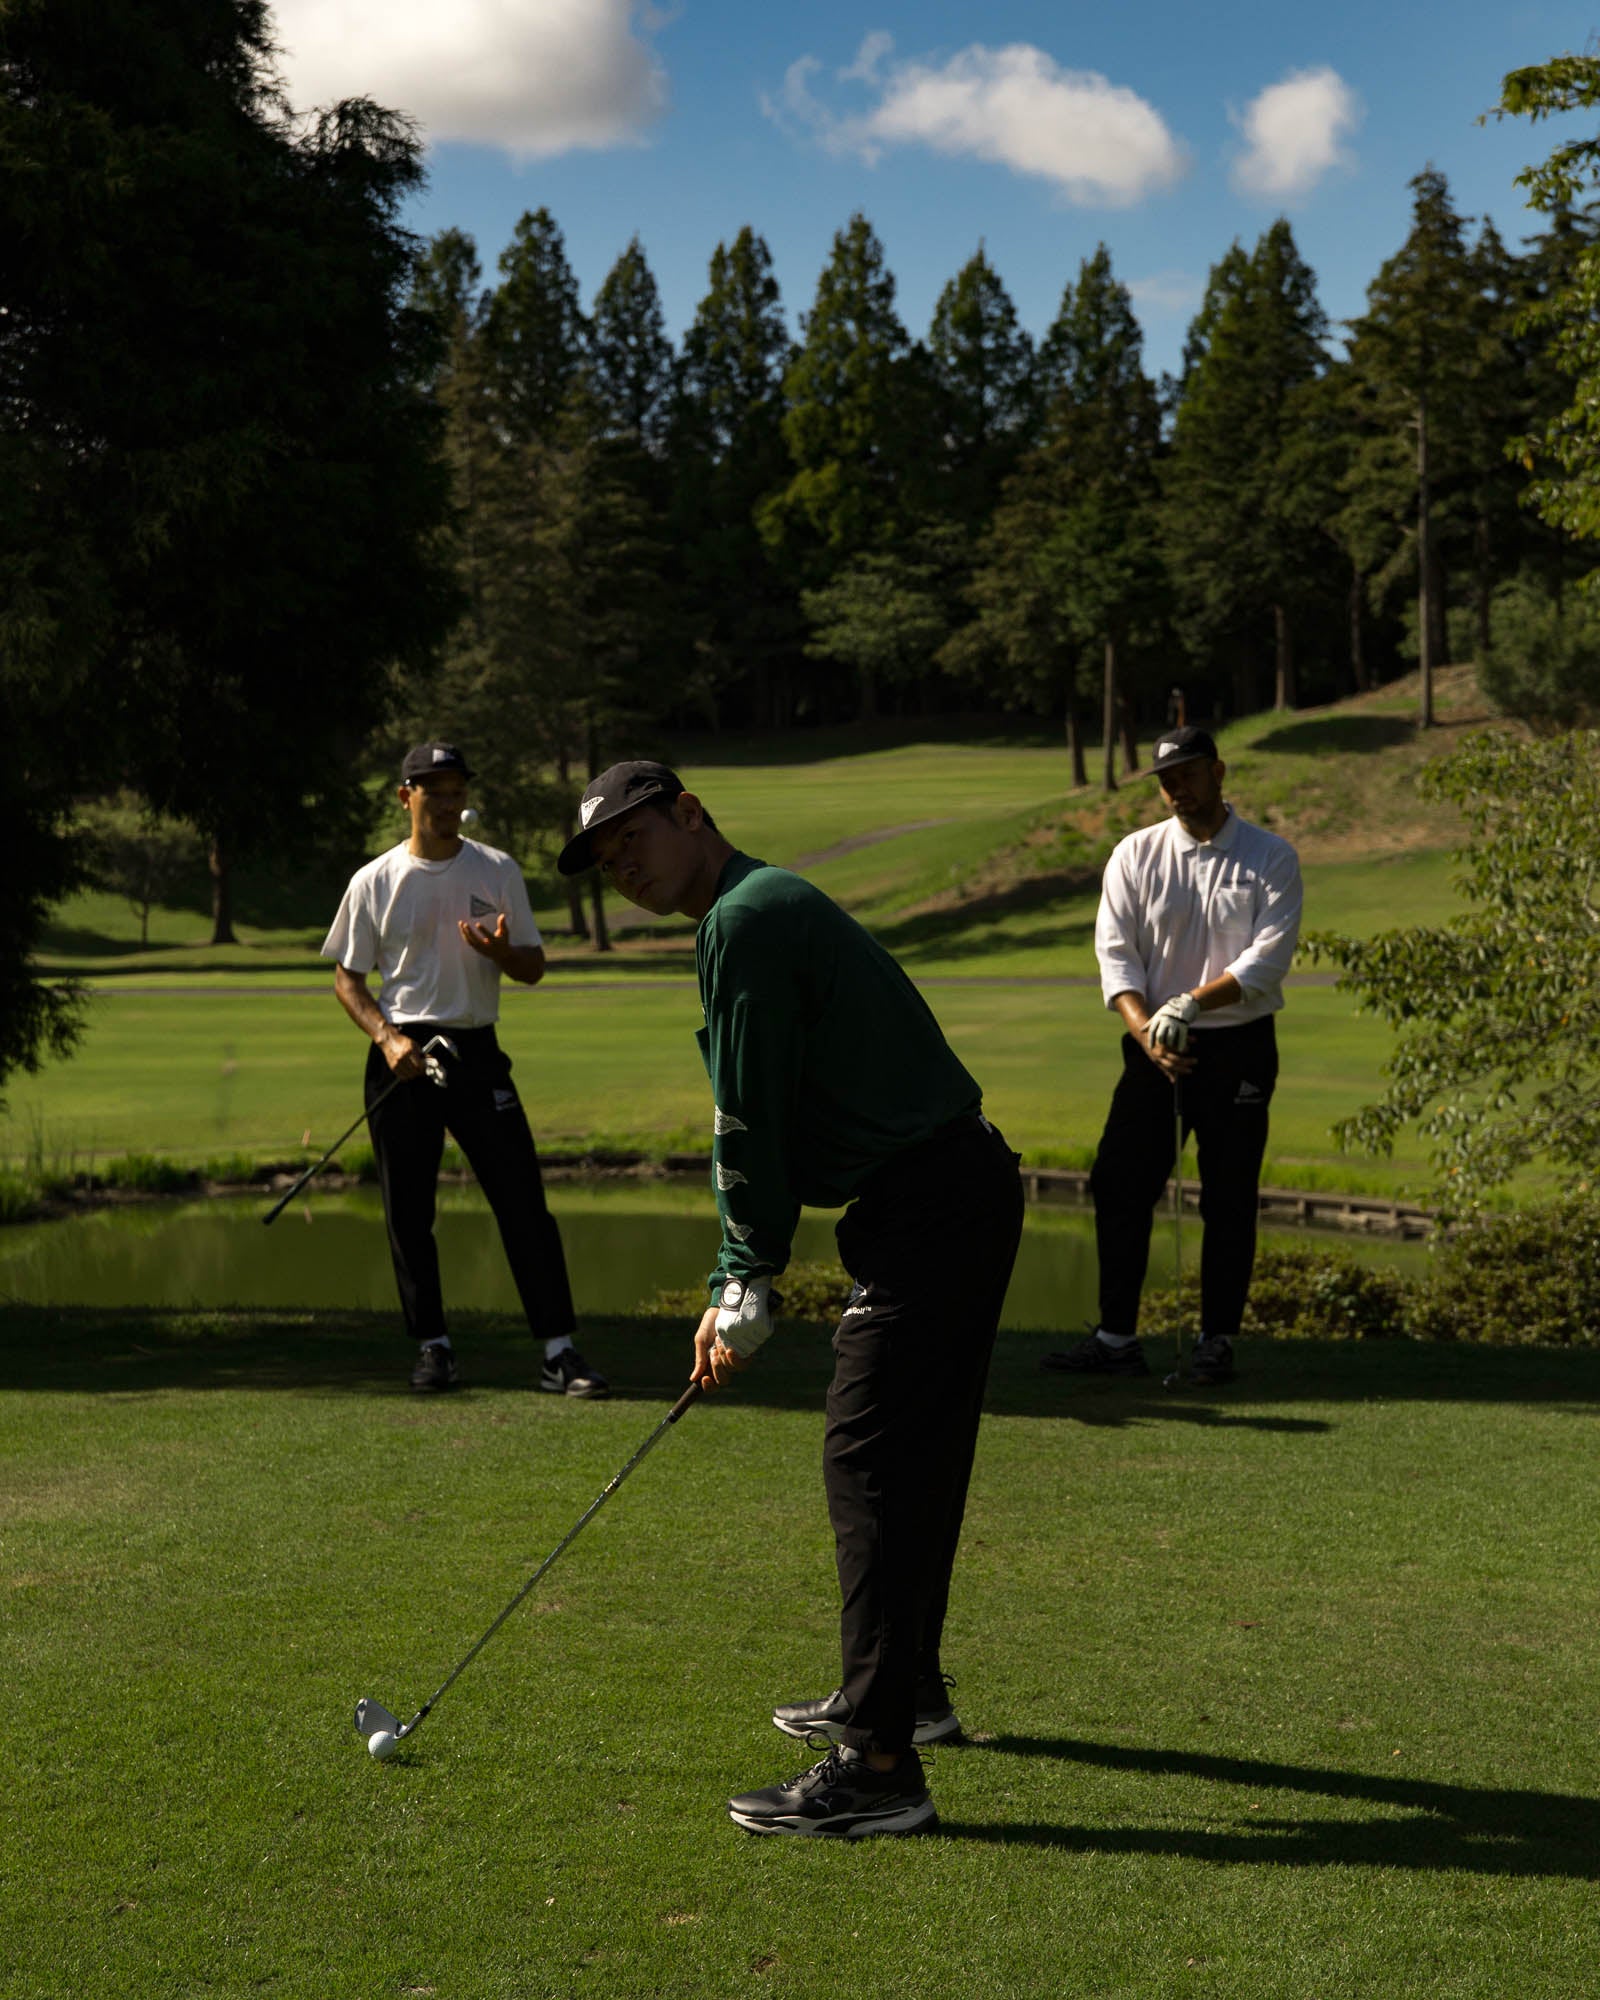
<point>1287,1693</point>
<point>197,1074</point>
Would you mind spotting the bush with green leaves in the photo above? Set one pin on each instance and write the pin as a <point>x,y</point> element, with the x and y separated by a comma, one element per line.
<point>1298,1295</point>
<point>1543,664</point>
<point>1528,1277</point>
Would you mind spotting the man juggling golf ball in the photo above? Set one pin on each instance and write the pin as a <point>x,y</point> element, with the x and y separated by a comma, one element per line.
<point>833,1084</point>
<point>1197,925</point>
<point>441,919</point>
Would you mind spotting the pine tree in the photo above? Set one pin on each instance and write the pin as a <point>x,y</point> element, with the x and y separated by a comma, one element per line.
<point>630,357</point>
<point>980,364</point>
<point>536,331</point>
<point>1069,566</point>
<point>726,455</point>
<point>1420,350</point>
<point>1238,558</point>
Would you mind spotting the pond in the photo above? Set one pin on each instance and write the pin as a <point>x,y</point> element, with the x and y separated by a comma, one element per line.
<point>624,1242</point>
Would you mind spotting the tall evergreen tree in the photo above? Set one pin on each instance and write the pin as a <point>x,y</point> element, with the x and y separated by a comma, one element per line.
<point>630,356</point>
<point>221,479</point>
<point>537,334</point>
<point>1421,349</point>
<point>981,365</point>
<point>1238,559</point>
<point>727,454</point>
<point>1070,564</point>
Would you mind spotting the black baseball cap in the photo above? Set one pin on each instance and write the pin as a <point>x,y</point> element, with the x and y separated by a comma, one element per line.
<point>429,760</point>
<point>1182,746</point>
<point>608,797</point>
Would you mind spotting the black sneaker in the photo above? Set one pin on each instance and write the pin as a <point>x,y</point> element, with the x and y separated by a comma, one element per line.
<point>936,1719</point>
<point>435,1370</point>
<point>568,1374</point>
<point>1211,1362</point>
<point>1092,1356</point>
<point>842,1797</point>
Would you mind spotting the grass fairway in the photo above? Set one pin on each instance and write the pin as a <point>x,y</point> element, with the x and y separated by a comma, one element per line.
<point>198,1074</point>
<point>1287,1693</point>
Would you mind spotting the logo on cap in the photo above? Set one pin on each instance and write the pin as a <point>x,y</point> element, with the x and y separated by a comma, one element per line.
<point>1165,749</point>
<point>588,809</point>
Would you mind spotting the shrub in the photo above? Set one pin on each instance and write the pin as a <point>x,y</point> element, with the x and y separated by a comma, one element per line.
<point>1529,1276</point>
<point>1300,1295</point>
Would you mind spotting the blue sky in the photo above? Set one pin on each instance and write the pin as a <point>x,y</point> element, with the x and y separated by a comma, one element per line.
<point>1165,130</point>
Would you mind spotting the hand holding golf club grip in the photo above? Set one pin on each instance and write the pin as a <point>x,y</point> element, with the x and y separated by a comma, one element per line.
<point>427,1060</point>
<point>1168,1026</point>
<point>402,1055</point>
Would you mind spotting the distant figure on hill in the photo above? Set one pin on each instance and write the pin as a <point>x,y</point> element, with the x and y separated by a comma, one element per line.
<point>1197,925</point>
<point>440,919</point>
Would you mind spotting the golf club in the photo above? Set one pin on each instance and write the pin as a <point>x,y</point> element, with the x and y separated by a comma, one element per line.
<point>382,1729</point>
<point>1178,1376</point>
<point>434,1070</point>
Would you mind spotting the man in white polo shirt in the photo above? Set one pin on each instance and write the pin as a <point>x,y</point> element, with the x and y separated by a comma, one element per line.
<point>1197,925</point>
<point>441,919</point>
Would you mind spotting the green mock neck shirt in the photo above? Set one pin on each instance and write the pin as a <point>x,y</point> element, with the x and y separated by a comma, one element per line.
<point>825,1061</point>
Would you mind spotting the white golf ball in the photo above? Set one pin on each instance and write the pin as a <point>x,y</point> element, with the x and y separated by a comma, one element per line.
<point>383,1743</point>
<point>469,816</point>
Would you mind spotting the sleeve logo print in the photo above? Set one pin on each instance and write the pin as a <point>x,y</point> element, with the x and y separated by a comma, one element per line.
<point>728,1177</point>
<point>725,1122</point>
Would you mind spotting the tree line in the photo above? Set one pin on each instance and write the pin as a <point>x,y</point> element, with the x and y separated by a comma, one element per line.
<point>752,530</point>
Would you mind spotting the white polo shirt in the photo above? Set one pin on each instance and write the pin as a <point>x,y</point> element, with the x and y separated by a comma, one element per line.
<point>1176,912</point>
<point>399,917</point>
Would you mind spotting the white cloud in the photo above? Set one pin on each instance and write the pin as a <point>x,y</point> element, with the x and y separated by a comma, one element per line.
<point>532,77</point>
<point>1095,141</point>
<point>1294,130</point>
<point>1167,291</point>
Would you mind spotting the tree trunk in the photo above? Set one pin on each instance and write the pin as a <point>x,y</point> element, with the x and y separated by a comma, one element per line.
<point>597,898</point>
<point>221,894</point>
<point>1358,652</point>
<point>577,922</point>
<point>1425,580</point>
<point>1283,691</point>
<point>1129,731</point>
<point>1080,775</point>
<point>868,710</point>
<point>1482,585</point>
<point>1109,717</point>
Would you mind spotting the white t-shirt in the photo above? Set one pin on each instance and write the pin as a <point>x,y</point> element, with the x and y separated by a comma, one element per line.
<point>399,916</point>
<point>1176,913</point>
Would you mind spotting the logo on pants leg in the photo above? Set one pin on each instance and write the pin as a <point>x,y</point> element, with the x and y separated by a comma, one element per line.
<point>505,1100</point>
<point>1250,1093</point>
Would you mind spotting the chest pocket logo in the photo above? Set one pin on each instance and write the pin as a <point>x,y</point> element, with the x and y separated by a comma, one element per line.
<point>479,908</point>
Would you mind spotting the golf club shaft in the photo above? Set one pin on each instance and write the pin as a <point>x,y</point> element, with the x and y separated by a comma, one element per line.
<point>394,1083</point>
<point>289,1194</point>
<point>1177,1210</point>
<point>689,1396</point>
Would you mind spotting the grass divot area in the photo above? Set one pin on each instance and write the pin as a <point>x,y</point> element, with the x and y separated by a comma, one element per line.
<point>1287,1690</point>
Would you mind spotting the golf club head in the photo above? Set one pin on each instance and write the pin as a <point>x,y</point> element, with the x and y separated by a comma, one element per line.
<point>372,1716</point>
<point>432,1063</point>
<point>1179,1378</point>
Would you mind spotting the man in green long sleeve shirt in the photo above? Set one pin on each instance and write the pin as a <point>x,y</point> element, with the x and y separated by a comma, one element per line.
<point>833,1084</point>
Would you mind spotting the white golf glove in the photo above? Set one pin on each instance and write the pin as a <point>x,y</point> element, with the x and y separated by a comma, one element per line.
<point>744,1315</point>
<point>1168,1027</point>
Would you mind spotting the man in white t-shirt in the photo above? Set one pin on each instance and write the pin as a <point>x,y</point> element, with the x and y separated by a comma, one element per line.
<point>1197,925</point>
<point>440,919</point>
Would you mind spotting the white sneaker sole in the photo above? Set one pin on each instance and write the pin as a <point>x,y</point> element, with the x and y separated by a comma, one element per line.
<point>935,1730</point>
<point>917,1818</point>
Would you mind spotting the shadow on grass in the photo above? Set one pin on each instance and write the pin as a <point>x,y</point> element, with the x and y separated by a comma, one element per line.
<point>142,1350</point>
<point>959,931</point>
<point>1357,734</point>
<point>1477,1829</point>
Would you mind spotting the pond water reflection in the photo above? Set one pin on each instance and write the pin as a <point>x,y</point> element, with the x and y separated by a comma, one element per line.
<point>624,1242</point>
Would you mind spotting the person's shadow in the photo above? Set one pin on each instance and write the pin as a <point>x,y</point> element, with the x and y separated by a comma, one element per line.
<point>1419,1825</point>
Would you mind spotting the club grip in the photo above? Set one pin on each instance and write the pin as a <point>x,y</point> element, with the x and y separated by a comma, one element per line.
<point>690,1395</point>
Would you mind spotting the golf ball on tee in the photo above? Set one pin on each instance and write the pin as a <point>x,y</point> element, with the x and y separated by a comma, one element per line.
<point>383,1743</point>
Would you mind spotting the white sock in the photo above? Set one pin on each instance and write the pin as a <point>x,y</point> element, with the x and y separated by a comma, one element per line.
<point>1116,1341</point>
<point>557,1346</point>
<point>439,1340</point>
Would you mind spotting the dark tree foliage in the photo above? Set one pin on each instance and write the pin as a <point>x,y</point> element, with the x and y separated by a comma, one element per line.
<point>221,486</point>
<point>538,335</point>
<point>981,365</point>
<point>1243,568</point>
<point>630,357</point>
